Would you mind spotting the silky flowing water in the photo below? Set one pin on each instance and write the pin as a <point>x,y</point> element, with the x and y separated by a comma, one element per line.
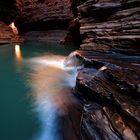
<point>36,100</point>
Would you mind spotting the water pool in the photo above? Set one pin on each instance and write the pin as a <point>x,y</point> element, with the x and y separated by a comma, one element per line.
<point>35,93</point>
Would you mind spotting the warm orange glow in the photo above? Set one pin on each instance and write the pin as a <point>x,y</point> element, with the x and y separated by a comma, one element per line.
<point>18,52</point>
<point>12,25</point>
<point>14,28</point>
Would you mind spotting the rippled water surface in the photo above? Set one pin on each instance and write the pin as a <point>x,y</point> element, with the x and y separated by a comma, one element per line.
<point>35,92</point>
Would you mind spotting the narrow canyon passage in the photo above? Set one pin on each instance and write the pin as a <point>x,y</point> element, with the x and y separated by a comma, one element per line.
<point>49,92</point>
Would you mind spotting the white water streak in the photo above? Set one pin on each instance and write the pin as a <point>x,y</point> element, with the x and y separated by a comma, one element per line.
<point>51,84</point>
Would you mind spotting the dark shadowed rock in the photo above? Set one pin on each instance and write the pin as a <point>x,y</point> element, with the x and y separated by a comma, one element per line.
<point>73,34</point>
<point>110,80</point>
<point>104,123</point>
<point>46,14</point>
<point>8,10</point>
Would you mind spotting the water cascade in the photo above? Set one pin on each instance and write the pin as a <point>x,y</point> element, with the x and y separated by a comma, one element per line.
<point>52,81</point>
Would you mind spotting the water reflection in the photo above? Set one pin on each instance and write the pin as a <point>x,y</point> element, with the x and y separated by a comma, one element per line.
<point>51,87</point>
<point>18,53</point>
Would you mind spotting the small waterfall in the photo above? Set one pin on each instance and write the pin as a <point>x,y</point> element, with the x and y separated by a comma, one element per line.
<point>51,80</point>
<point>73,60</point>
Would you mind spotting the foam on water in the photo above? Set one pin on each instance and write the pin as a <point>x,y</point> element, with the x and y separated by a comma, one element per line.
<point>73,61</point>
<point>51,83</point>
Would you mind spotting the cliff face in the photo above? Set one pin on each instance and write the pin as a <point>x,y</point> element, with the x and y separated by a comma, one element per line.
<point>43,14</point>
<point>109,25</point>
<point>7,35</point>
<point>110,80</point>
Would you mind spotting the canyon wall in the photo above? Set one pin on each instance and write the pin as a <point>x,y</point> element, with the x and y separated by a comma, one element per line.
<point>36,15</point>
<point>43,14</point>
<point>6,33</point>
<point>31,15</point>
<point>109,83</point>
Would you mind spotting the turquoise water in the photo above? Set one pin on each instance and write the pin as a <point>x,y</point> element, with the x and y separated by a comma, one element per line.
<point>33,83</point>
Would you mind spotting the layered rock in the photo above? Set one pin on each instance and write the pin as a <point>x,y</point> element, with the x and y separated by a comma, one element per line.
<point>109,83</point>
<point>113,25</point>
<point>7,35</point>
<point>43,14</point>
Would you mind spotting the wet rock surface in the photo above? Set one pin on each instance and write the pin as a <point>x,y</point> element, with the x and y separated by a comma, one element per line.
<point>109,83</point>
<point>104,123</point>
<point>7,35</point>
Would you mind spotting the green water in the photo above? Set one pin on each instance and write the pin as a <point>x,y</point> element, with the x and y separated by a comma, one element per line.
<point>18,120</point>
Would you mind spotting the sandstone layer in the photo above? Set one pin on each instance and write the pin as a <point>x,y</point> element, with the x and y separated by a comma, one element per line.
<point>7,35</point>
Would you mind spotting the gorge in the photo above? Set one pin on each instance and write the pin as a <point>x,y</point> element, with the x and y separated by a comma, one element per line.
<point>100,99</point>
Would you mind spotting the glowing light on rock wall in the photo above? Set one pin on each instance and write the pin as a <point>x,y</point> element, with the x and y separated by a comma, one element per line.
<point>18,52</point>
<point>103,68</point>
<point>14,28</point>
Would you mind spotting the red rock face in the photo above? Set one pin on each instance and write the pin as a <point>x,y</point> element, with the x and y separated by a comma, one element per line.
<point>7,35</point>
<point>40,12</point>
